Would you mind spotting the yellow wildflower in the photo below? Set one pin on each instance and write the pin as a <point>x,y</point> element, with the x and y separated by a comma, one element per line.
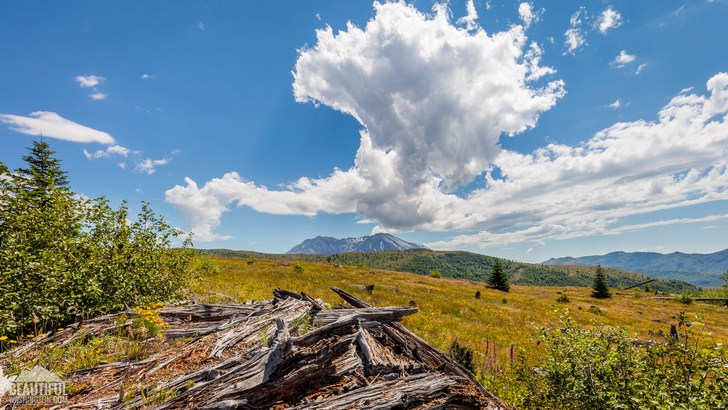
<point>3,338</point>
<point>12,342</point>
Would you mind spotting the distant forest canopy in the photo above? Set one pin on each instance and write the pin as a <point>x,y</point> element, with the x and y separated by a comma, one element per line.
<point>471,266</point>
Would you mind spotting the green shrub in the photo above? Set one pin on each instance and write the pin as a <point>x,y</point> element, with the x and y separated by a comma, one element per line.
<point>606,369</point>
<point>563,299</point>
<point>435,274</point>
<point>298,268</point>
<point>462,354</point>
<point>66,258</point>
<point>685,298</point>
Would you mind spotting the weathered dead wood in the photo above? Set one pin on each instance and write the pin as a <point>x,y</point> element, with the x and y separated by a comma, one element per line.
<point>353,358</point>
<point>364,317</point>
<point>259,372</point>
<point>282,294</point>
<point>423,351</point>
<point>639,284</point>
<point>383,315</point>
<point>379,357</point>
<point>425,391</point>
<point>720,300</point>
<point>248,330</point>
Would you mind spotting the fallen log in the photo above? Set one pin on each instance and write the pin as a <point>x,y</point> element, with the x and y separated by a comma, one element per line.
<point>242,356</point>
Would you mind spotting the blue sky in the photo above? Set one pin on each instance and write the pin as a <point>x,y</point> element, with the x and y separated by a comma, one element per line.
<point>521,130</point>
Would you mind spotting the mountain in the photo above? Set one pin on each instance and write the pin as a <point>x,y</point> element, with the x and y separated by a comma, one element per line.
<point>326,245</point>
<point>465,265</point>
<point>698,269</point>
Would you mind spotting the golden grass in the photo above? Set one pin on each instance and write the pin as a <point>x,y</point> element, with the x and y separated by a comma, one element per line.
<point>449,310</point>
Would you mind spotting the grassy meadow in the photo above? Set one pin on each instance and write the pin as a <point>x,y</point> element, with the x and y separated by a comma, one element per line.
<point>449,309</point>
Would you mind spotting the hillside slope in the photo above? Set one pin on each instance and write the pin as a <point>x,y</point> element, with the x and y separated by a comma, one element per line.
<point>471,266</point>
<point>695,268</point>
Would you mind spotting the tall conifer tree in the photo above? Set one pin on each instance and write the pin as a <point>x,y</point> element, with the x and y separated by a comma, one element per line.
<point>600,288</point>
<point>499,277</point>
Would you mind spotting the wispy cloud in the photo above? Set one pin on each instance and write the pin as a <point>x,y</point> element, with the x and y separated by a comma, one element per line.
<point>149,166</point>
<point>106,153</point>
<point>616,104</point>
<point>623,59</point>
<point>89,81</point>
<point>574,35</point>
<point>98,96</point>
<point>50,124</point>
<point>146,76</point>
<point>92,81</point>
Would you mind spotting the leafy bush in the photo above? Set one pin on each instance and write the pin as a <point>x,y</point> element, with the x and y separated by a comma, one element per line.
<point>435,274</point>
<point>462,354</point>
<point>65,258</point>
<point>563,299</point>
<point>607,369</point>
<point>685,298</point>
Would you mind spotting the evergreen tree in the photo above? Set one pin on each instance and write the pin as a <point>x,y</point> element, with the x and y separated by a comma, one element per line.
<point>498,277</point>
<point>725,279</point>
<point>600,288</point>
<point>44,170</point>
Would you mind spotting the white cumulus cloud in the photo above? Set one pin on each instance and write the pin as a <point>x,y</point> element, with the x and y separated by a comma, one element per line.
<point>433,100</point>
<point>471,19</point>
<point>528,15</point>
<point>556,192</point>
<point>50,124</point>
<point>623,59</point>
<point>609,19</point>
<point>630,168</point>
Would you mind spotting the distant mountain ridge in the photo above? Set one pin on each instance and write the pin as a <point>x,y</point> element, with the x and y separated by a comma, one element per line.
<point>326,245</point>
<point>698,269</point>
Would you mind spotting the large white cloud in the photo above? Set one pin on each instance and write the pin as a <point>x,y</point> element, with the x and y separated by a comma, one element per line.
<point>437,95</point>
<point>630,168</point>
<point>50,124</point>
<point>433,99</point>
